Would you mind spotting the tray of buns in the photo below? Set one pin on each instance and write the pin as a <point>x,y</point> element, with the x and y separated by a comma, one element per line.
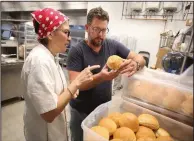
<point>162,93</point>
<point>127,121</point>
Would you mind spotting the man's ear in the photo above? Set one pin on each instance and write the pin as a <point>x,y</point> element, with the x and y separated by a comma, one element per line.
<point>86,27</point>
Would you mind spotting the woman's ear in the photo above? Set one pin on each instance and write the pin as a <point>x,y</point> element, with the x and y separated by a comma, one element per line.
<point>50,36</point>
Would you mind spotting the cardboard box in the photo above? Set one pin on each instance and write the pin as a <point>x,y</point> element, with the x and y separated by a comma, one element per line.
<point>189,22</point>
<point>161,53</point>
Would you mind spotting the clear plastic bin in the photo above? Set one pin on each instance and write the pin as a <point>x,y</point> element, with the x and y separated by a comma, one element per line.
<point>169,94</point>
<point>179,131</point>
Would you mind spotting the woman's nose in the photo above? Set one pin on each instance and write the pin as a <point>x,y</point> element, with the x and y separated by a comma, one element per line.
<point>69,38</point>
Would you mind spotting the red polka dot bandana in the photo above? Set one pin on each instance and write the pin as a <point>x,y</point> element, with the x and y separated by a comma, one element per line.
<point>49,20</point>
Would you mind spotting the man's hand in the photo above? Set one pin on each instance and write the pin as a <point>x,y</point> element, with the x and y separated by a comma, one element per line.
<point>129,67</point>
<point>106,75</point>
<point>85,76</point>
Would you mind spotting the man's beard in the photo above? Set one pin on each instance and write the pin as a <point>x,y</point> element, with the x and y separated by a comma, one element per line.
<point>95,43</point>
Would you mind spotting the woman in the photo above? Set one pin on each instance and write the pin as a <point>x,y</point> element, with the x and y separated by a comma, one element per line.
<point>46,90</point>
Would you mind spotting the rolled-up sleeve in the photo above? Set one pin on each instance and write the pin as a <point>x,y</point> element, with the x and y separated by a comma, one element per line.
<point>40,87</point>
<point>121,50</point>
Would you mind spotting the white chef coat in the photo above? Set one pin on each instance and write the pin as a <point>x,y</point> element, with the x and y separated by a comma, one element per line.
<point>44,80</point>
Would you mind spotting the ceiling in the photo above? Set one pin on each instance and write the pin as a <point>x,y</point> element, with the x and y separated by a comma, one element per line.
<point>31,6</point>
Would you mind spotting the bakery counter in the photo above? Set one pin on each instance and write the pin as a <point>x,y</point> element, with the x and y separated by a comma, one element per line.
<point>11,86</point>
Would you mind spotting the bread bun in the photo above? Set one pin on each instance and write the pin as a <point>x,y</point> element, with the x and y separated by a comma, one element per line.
<point>125,134</point>
<point>187,106</point>
<point>146,139</point>
<point>135,89</point>
<point>164,138</point>
<point>161,132</point>
<point>108,124</point>
<point>140,88</point>
<point>101,131</point>
<point>145,132</point>
<point>114,62</point>
<point>148,121</point>
<point>129,120</point>
<point>170,102</point>
<point>115,117</point>
<point>188,95</point>
<point>116,140</point>
<point>156,95</point>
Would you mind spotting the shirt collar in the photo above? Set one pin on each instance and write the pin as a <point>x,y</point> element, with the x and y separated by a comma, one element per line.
<point>48,52</point>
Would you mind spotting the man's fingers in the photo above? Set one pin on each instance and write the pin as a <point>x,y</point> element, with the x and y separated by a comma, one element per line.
<point>125,63</point>
<point>131,73</point>
<point>93,67</point>
<point>113,72</point>
<point>105,66</point>
<point>124,71</point>
<point>129,69</point>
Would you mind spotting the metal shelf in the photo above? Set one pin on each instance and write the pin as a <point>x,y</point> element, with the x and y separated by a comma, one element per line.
<point>28,37</point>
<point>9,43</point>
<point>189,49</point>
<point>15,20</point>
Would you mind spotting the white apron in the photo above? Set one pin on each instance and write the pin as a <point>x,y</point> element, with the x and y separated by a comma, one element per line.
<point>44,80</point>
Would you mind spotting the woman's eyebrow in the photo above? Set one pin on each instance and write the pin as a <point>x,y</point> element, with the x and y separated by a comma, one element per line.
<point>64,29</point>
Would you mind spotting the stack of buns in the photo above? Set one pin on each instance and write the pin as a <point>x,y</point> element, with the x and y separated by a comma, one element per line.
<point>167,97</point>
<point>129,127</point>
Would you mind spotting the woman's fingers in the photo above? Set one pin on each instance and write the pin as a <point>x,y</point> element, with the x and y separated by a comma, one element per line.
<point>129,69</point>
<point>87,74</point>
<point>93,67</point>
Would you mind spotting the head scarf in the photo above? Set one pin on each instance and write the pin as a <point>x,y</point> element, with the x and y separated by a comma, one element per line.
<point>49,20</point>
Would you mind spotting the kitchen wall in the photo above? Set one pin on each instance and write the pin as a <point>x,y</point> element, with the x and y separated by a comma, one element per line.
<point>147,32</point>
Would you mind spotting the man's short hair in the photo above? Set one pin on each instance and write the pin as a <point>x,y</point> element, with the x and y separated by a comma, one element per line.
<point>99,13</point>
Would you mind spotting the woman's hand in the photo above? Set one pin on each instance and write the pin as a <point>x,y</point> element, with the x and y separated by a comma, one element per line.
<point>85,76</point>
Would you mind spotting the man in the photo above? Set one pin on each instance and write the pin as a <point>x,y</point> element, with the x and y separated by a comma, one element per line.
<point>96,50</point>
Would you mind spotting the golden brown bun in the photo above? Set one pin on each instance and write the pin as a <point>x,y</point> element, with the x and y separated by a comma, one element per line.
<point>114,62</point>
<point>146,139</point>
<point>161,132</point>
<point>129,120</point>
<point>108,124</point>
<point>156,94</point>
<point>174,99</point>
<point>101,131</point>
<point>133,83</point>
<point>145,132</point>
<point>148,121</point>
<point>135,89</point>
<point>164,138</point>
<point>140,88</point>
<point>115,117</point>
<point>188,95</point>
<point>124,134</point>
<point>187,106</point>
<point>116,140</point>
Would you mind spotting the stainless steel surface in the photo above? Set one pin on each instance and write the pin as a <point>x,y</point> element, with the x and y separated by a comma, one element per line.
<point>9,43</point>
<point>10,81</point>
<point>188,54</point>
<point>31,6</point>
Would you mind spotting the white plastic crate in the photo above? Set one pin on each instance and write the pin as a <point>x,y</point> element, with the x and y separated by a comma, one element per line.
<point>154,100</point>
<point>178,130</point>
